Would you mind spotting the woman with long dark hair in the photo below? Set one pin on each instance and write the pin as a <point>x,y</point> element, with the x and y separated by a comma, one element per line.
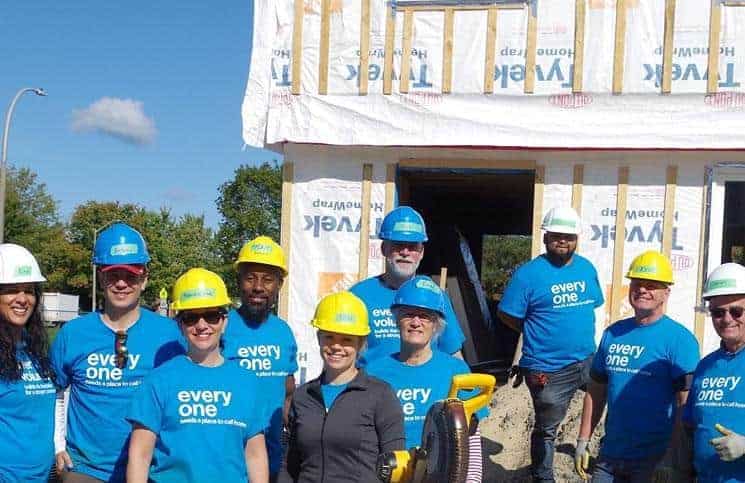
<point>27,390</point>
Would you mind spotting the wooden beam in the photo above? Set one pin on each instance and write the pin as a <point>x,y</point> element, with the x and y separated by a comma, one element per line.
<point>619,244</point>
<point>403,83</point>
<point>285,234</point>
<point>699,319</point>
<point>390,34</point>
<point>540,180</point>
<point>443,278</point>
<point>577,183</point>
<point>364,46</point>
<point>390,186</point>
<point>671,183</point>
<point>367,170</point>
<point>467,163</point>
<point>323,49</point>
<point>463,8</point>
<point>531,41</point>
<point>491,50</point>
<point>619,53</point>
<point>297,46</point>
<point>447,50</point>
<point>580,13</point>
<point>667,47</point>
<point>715,31</point>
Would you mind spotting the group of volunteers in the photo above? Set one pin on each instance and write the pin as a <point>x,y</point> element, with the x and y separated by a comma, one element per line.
<point>669,415</point>
<point>124,394</point>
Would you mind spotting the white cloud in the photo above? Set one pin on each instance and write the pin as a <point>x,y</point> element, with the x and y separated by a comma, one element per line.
<point>124,119</point>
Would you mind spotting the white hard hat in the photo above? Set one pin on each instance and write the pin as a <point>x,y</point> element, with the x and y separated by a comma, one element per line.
<point>562,219</point>
<point>726,279</point>
<point>18,265</point>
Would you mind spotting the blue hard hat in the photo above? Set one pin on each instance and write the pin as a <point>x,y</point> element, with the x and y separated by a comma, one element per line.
<point>422,292</point>
<point>120,244</point>
<point>404,224</point>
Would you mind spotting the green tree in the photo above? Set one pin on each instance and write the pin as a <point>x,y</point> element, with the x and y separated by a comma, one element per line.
<point>32,221</point>
<point>501,256</point>
<point>250,206</point>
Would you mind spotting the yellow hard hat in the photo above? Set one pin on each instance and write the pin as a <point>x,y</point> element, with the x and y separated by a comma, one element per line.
<point>199,288</point>
<point>343,313</point>
<point>262,250</point>
<point>651,265</point>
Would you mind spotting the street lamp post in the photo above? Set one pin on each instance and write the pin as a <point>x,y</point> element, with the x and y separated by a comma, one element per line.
<point>39,92</point>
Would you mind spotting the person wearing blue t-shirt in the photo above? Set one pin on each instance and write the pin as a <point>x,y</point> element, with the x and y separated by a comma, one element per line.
<point>262,342</point>
<point>551,300</point>
<point>199,417</point>
<point>27,391</point>
<point>403,233</point>
<point>103,357</point>
<point>642,370</point>
<point>419,375</point>
<point>714,417</point>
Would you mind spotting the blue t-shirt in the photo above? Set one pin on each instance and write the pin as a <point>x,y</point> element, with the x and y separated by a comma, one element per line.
<point>385,338</point>
<point>26,425</point>
<point>269,351</point>
<point>330,392</point>
<point>100,393</point>
<point>717,396</point>
<point>641,364</point>
<point>418,387</point>
<point>557,305</point>
<point>203,417</point>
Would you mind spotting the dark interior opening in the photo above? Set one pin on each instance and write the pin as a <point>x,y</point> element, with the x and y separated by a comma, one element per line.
<point>733,238</point>
<point>461,208</point>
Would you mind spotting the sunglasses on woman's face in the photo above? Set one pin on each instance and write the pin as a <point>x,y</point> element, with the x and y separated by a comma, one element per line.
<point>735,312</point>
<point>212,317</point>
<point>120,349</point>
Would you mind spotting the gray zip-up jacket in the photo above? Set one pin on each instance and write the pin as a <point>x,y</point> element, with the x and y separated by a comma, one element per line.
<point>342,446</point>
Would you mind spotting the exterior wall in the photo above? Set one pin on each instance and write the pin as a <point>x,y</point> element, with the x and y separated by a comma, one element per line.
<point>325,219</point>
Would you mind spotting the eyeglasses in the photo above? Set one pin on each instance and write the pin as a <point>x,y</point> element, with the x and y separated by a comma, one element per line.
<point>120,349</point>
<point>422,316</point>
<point>735,311</point>
<point>192,318</point>
<point>113,276</point>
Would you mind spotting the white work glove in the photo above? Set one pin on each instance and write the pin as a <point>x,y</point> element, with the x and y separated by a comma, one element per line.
<point>730,446</point>
<point>582,459</point>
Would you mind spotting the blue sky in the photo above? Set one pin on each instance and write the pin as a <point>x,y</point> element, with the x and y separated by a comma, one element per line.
<point>144,98</point>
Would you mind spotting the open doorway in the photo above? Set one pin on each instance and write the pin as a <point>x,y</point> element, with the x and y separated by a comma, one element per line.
<point>473,216</point>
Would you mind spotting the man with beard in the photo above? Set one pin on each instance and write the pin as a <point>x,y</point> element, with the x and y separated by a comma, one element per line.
<point>403,233</point>
<point>551,300</point>
<point>263,342</point>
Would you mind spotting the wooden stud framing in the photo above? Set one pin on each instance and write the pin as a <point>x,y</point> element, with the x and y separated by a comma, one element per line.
<point>579,45</point>
<point>447,50</point>
<point>297,46</point>
<point>403,83</point>
<point>285,233</point>
<point>466,163</point>
<point>367,170</point>
<point>443,278</point>
<point>390,34</point>
<point>699,324</point>
<point>667,222</point>
<point>619,54</point>
<point>577,182</point>
<point>364,46</point>
<point>530,48</point>
<point>667,47</point>
<point>619,243</point>
<point>491,50</point>
<point>463,8</point>
<point>390,186</point>
<point>540,179</point>
<point>715,31</point>
<point>323,49</point>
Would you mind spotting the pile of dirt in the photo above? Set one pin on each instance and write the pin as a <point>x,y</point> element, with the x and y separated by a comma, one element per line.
<point>506,437</point>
